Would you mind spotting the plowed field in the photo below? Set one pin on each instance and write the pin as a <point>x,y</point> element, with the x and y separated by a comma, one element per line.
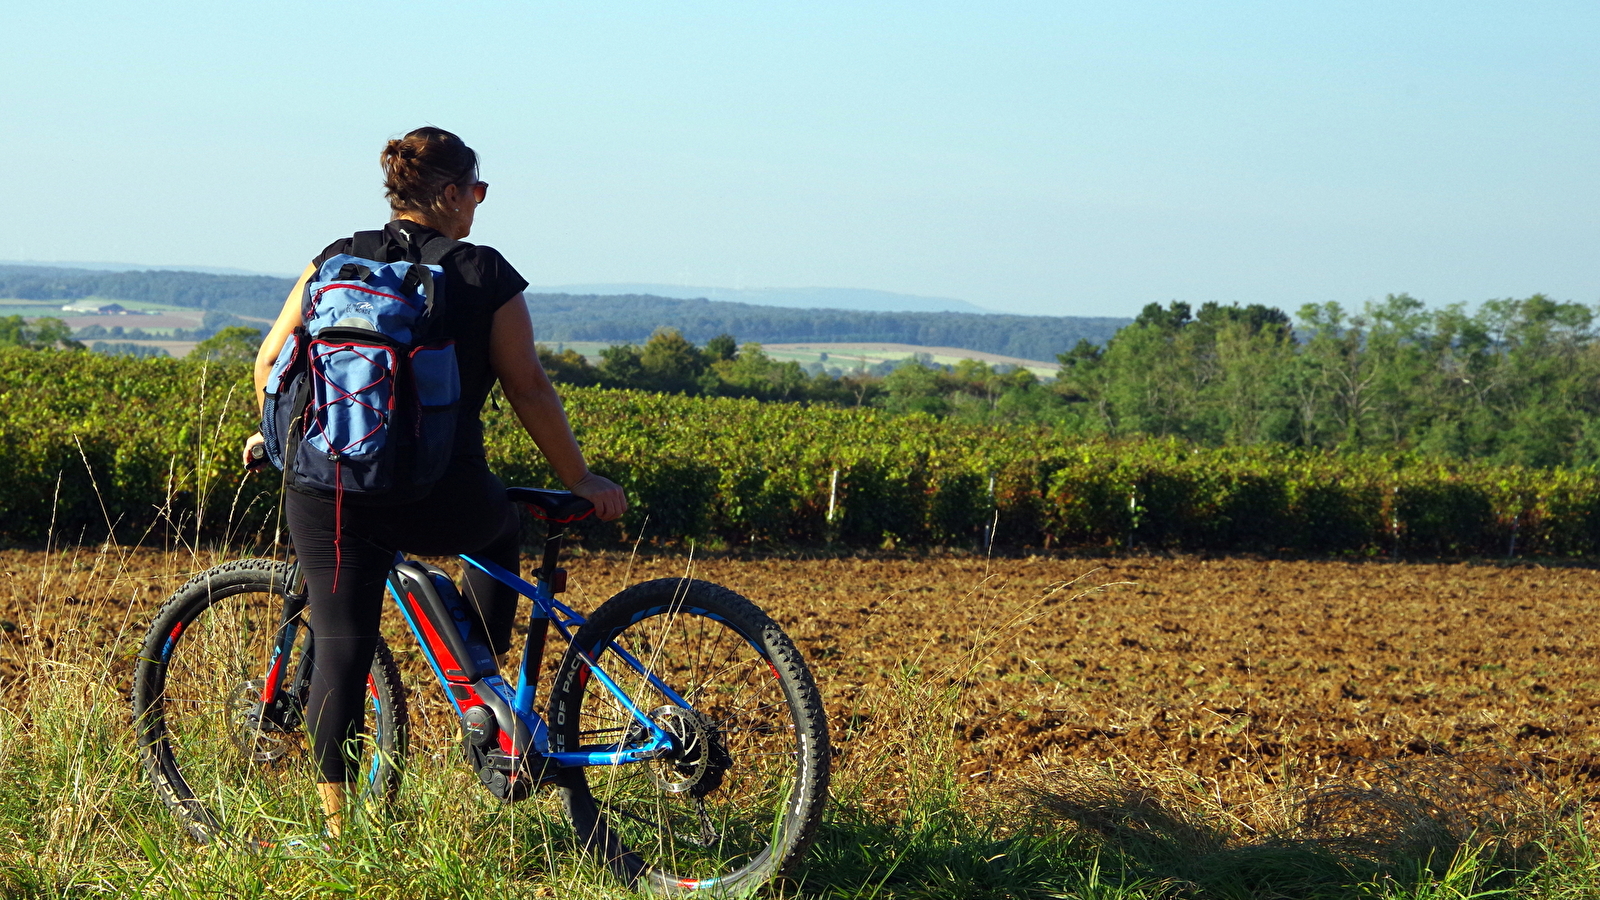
<point>1240,671</point>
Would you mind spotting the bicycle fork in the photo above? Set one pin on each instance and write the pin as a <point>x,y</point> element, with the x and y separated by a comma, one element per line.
<point>279,704</point>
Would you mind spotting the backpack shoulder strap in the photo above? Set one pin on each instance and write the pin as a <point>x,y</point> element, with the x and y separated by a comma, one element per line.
<point>430,253</point>
<point>368,244</point>
<point>434,251</point>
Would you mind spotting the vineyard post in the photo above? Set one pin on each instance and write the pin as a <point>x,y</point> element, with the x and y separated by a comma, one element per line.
<point>989,529</point>
<point>1394,519</point>
<point>833,494</point>
<point>1133,515</point>
<point>830,532</point>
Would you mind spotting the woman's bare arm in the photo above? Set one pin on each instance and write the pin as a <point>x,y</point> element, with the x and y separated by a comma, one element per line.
<point>515,362</point>
<point>288,320</point>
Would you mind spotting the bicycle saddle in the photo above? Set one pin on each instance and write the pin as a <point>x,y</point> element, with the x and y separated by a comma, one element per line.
<point>552,506</point>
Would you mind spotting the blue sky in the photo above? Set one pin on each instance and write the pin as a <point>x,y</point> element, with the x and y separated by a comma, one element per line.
<point>1049,158</point>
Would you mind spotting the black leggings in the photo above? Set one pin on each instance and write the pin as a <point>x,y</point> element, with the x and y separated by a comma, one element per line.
<point>466,512</point>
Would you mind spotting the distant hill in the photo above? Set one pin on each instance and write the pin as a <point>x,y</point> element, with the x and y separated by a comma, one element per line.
<point>258,296</point>
<point>568,317</point>
<point>859,299</point>
<point>572,317</point>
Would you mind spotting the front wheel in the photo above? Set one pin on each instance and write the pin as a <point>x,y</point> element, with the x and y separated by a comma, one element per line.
<point>737,800</point>
<point>219,757</point>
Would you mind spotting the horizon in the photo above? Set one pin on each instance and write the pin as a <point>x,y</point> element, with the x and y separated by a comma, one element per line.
<point>686,292</point>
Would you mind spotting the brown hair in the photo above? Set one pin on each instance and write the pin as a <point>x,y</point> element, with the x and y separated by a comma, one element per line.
<point>418,167</point>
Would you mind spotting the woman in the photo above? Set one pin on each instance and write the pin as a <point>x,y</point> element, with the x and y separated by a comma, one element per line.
<point>431,180</point>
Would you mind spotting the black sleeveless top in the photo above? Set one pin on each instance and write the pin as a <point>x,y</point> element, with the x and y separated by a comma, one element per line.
<point>478,281</point>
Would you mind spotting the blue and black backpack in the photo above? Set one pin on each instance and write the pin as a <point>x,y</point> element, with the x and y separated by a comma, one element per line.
<point>362,398</point>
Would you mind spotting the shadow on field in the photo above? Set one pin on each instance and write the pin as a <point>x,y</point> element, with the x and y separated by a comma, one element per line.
<point>1428,827</point>
<point>1398,822</point>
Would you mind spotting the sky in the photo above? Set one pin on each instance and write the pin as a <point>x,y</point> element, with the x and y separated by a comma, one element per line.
<point>1040,158</point>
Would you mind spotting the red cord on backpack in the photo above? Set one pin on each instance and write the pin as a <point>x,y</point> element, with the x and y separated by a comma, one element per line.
<point>338,523</point>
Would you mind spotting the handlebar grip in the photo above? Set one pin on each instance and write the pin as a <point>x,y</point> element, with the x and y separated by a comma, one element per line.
<point>258,458</point>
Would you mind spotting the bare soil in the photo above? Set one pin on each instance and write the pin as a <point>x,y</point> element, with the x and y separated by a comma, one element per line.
<point>1241,671</point>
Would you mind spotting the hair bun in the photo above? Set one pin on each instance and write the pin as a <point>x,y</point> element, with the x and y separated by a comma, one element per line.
<point>418,167</point>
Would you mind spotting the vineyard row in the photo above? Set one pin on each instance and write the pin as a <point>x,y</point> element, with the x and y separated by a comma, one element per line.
<point>146,447</point>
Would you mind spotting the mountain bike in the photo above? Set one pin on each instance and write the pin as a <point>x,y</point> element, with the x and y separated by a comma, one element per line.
<point>683,729</point>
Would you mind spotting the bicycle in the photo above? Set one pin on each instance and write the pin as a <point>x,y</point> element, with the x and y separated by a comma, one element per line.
<point>684,733</point>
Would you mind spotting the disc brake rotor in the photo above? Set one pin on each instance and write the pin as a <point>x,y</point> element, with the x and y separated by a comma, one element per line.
<point>261,739</point>
<point>699,757</point>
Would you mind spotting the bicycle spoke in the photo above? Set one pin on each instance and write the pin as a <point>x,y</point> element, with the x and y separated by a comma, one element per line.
<point>713,805</point>
<point>231,761</point>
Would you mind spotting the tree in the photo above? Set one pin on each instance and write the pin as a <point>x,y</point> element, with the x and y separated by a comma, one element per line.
<point>41,334</point>
<point>620,367</point>
<point>752,373</point>
<point>568,367</point>
<point>671,363</point>
<point>722,348</point>
<point>913,387</point>
<point>13,332</point>
<point>238,343</point>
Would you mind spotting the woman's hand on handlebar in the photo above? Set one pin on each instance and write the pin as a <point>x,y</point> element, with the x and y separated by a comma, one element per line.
<point>255,452</point>
<point>605,494</point>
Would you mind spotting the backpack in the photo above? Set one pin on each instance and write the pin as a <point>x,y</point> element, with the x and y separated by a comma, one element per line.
<point>362,398</point>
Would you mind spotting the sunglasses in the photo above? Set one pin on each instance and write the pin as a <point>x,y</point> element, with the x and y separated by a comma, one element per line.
<point>480,190</point>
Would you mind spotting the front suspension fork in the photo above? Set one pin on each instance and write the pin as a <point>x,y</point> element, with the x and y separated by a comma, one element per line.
<point>276,688</point>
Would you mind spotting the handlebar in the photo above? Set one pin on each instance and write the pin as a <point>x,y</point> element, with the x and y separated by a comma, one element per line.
<point>258,458</point>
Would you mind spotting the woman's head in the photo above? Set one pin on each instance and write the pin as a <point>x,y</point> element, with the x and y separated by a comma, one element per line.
<point>431,176</point>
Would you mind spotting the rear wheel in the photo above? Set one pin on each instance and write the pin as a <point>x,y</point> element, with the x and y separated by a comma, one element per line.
<point>736,801</point>
<point>222,760</point>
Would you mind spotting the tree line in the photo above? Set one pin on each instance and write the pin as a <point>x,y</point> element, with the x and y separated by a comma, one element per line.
<point>560,318</point>
<point>668,362</point>
<point>1514,381</point>
<point>258,296</point>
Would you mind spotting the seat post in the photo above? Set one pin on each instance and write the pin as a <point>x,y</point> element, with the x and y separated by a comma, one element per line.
<point>552,551</point>
<point>539,623</point>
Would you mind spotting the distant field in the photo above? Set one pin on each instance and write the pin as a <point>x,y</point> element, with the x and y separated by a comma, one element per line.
<point>158,319</point>
<point>177,349</point>
<point>850,356</point>
<point>30,308</point>
<point>159,322</point>
<point>15,306</point>
<point>589,350</point>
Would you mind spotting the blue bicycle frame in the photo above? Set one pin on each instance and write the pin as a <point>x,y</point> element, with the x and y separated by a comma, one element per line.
<point>465,667</point>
